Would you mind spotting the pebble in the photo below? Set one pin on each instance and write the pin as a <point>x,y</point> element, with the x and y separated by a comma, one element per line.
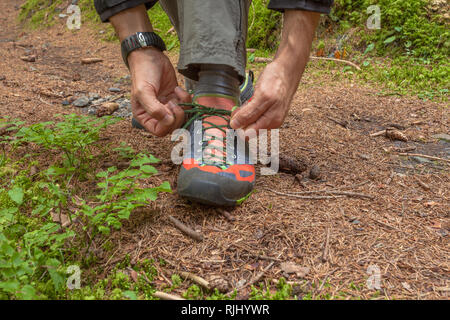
<point>421,160</point>
<point>114,89</point>
<point>65,103</point>
<point>90,110</point>
<point>81,102</point>
<point>314,173</point>
<point>442,136</point>
<point>93,96</point>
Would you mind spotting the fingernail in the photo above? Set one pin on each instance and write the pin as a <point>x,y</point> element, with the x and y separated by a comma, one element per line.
<point>172,105</point>
<point>235,124</point>
<point>167,120</point>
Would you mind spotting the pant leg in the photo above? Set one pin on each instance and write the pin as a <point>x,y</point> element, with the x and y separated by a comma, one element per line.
<point>210,32</point>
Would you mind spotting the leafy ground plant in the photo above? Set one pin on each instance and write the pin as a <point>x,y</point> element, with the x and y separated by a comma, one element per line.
<point>35,246</point>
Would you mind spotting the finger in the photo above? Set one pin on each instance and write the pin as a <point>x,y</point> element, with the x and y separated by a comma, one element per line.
<point>251,111</point>
<point>271,119</point>
<point>148,101</point>
<point>178,113</point>
<point>182,95</point>
<point>150,124</point>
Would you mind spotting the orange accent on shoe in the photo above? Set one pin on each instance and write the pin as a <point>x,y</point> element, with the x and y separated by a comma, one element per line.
<point>235,169</point>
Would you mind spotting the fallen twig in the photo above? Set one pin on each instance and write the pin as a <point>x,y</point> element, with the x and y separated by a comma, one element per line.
<point>254,279</point>
<point>185,229</point>
<point>423,185</point>
<point>337,60</point>
<point>262,59</point>
<point>111,100</point>
<point>166,296</point>
<point>335,194</point>
<point>198,280</point>
<point>378,133</point>
<point>90,60</point>
<point>342,123</point>
<point>326,247</point>
<point>305,197</point>
<point>422,156</point>
<point>226,214</point>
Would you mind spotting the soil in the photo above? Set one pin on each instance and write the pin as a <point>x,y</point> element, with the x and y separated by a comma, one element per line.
<point>402,229</point>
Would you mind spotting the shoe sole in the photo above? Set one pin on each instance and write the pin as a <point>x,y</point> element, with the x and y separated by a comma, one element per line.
<point>208,188</point>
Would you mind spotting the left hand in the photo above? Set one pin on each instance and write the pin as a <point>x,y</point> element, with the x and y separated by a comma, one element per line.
<point>270,103</point>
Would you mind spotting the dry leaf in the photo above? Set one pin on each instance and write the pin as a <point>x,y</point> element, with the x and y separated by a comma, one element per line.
<point>291,267</point>
<point>107,109</point>
<point>63,219</point>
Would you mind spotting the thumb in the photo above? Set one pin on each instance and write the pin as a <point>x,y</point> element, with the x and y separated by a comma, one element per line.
<point>155,108</point>
<point>183,95</point>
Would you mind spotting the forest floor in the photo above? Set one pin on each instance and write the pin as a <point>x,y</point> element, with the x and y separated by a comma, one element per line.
<point>401,230</point>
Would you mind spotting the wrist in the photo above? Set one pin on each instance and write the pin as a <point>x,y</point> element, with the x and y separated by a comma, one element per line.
<point>144,55</point>
<point>130,21</point>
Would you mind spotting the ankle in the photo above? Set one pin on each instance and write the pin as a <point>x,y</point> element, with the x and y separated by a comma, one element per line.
<point>219,83</point>
<point>216,101</point>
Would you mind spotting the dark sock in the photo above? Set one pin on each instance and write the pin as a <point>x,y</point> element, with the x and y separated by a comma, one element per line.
<point>216,79</point>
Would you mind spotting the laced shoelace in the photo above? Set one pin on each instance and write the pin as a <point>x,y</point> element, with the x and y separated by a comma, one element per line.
<point>200,112</point>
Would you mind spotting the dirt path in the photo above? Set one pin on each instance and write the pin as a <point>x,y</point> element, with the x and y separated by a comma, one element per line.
<point>402,231</point>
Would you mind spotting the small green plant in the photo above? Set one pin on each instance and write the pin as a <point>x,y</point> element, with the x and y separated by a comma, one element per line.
<point>35,247</point>
<point>119,195</point>
<point>73,137</point>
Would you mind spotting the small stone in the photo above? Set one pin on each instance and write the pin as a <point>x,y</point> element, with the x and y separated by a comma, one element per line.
<point>28,58</point>
<point>364,156</point>
<point>62,15</point>
<point>81,102</point>
<point>101,31</point>
<point>113,89</point>
<point>65,103</point>
<point>421,160</point>
<point>2,78</point>
<point>356,221</point>
<point>93,96</point>
<point>90,110</point>
<point>442,136</point>
<point>314,173</point>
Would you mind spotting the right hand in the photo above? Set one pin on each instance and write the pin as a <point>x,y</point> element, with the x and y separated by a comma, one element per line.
<point>155,93</point>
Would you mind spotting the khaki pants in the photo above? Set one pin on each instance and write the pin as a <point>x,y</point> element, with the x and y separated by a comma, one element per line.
<point>210,32</point>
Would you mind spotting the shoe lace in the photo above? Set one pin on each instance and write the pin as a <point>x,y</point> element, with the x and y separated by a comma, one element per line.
<point>200,112</point>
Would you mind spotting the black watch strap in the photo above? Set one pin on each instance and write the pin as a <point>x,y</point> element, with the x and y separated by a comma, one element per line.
<point>141,40</point>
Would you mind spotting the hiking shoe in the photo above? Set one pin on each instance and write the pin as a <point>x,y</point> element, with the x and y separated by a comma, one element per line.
<point>207,174</point>
<point>246,94</point>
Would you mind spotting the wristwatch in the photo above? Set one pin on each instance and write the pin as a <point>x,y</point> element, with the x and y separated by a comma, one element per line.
<point>141,40</point>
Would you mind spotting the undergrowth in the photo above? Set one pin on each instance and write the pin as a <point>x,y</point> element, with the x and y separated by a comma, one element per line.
<point>46,223</point>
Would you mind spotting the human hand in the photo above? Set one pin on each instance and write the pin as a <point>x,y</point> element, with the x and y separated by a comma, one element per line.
<point>279,80</point>
<point>155,93</point>
<point>270,103</point>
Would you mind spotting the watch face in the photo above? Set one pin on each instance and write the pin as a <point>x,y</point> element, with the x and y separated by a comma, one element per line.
<point>141,39</point>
